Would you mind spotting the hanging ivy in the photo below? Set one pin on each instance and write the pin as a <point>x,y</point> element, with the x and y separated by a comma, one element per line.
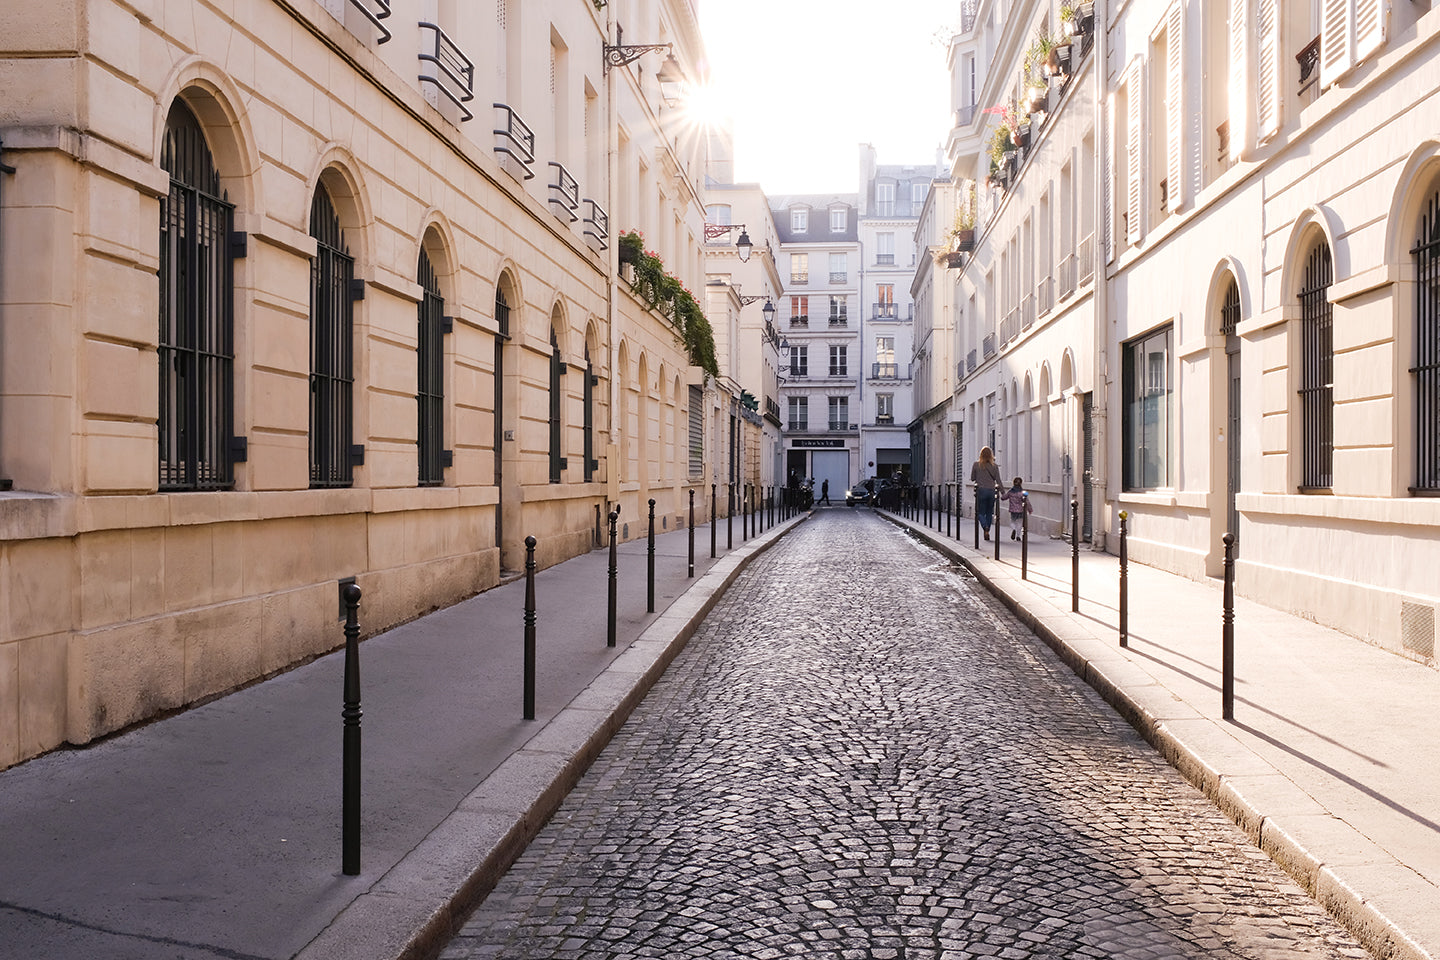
<point>660,291</point>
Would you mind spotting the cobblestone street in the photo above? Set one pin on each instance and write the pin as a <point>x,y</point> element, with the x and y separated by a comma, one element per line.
<point>862,755</point>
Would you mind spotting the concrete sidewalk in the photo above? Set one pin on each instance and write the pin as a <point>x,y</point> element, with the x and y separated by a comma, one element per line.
<point>1332,763</point>
<point>216,832</point>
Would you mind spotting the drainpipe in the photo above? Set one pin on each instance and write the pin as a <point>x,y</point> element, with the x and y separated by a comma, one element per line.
<point>1101,495</point>
<point>5,483</point>
<point>612,173</point>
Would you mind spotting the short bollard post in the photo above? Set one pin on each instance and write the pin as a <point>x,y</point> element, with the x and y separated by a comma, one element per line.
<point>932,494</point>
<point>529,628</point>
<point>998,504</point>
<point>1124,579</point>
<point>1025,539</point>
<point>692,538</point>
<point>650,562</point>
<point>744,512</point>
<point>610,620</point>
<point>1074,555</point>
<point>1227,634</point>
<point>714,521</point>
<point>949,514</point>
<point>350,774</point>
<point>730,516</point>
<point>977,516</point>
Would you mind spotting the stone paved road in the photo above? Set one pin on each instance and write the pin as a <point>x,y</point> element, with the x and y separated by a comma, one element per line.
<point>862,755</point>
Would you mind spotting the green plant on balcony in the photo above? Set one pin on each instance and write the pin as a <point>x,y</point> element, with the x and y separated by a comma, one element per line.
<point>658,290</point>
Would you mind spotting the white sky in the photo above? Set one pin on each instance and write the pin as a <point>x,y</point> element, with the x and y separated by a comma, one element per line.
<point>807,81</point>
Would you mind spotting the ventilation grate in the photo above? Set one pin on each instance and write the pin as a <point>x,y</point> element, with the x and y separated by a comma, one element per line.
<point>1417,628</point>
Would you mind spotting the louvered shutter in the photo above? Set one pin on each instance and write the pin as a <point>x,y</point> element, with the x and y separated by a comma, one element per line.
<point>1267,68</point>
<point>1239,114</point>
<point>1175,107</point>
<point>1107,186</point>
<point>1133,113</point>
<point>1370,17</point>
<point>1335,40</point>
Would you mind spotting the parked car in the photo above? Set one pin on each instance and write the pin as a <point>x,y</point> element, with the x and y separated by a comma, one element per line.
<point>864,491</point>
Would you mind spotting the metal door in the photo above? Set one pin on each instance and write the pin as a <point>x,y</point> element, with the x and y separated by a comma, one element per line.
<point>1087,440</point>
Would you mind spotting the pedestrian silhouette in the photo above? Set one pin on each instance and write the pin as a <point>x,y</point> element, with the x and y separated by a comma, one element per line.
<point>825,492</point>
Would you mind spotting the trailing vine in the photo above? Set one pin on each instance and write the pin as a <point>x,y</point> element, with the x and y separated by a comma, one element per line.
<point>660,291</point>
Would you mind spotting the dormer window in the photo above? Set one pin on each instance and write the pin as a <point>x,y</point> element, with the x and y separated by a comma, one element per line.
<point>800,220</point>
<point>837,220</point>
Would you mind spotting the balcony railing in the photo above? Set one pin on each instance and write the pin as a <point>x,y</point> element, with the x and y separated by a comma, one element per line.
<point>884,419</point>
<point>375,11</point>
<point>797,426</point>
<point>800,278</point>
<point>564,193</point>
<point>1010,326</point>
<point>1027,312</point>
<point>885,259</point>
<point>889,371</point>
<point>838,320</point>
<point>838,277</point>
<point>971,362</point>
<point>451,64</point>
<point>1047,295</point>
<point>800,320</point>
<point>597,225</point>
<point>772,410</point>
<point>987,345</point>
<point>839,426</point>
<point>1067,276</point>
<point>1309,61</point>
<point>514,141</point>
<point>885,311</point>
<point>1087,258</point>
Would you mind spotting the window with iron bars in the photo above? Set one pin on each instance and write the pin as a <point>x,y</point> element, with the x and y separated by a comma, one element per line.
<point>557,369</point>
<point>197,321</point>
<point>1427,349</point>
<point>430,382</point>
<point>1317,363</point>
<point>332,273</point>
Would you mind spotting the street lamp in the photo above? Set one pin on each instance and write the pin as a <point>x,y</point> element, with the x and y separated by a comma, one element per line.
<point>743,246</point>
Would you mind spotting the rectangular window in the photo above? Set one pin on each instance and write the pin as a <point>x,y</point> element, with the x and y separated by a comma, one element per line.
<point>799,415</point>
<point>884,408</point>
<point>838,311</point>
<point>885,301</point>
<point>800,361</point>
<point>839,413</point>
<point>800,220</point>
<point>838,366</point>
<point>885,349</point>
<point>1146,427</point>
<point>800,310</point>
<point>884,199</point>
<point>799,268</point>
<point>885,248</point>
<point>839,267</point>
<point>837,220</point>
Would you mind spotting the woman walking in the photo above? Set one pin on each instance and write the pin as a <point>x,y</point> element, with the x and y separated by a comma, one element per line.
<point>985,474</point>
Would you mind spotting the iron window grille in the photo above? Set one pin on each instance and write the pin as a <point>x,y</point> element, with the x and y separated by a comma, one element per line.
<point>1317,363</point>
<point>454,75</point>
<point>502,335</point>
<point>332,273</point>
<point>1427,350</point>
<point>588,410</point>
<point>557,368</point>
<point>430,384</point>
<point>197,323</point>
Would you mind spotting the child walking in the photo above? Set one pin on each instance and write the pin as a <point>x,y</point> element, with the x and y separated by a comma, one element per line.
<point>1019,505</point>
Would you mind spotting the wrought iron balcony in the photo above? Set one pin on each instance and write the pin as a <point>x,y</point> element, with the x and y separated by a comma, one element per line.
<point>1027,312</point>
<point>1309,61</point>
<point>597,225</point>
<point>838,320</point>
<point>800,320</point>
<point>375,11</point>
<point>1047,295</point>
<point>514,141</point>
<point>1067,276</point>
<point>885,259</point>
<point>453,74</point>
<point>1087,258</point>
<point>564,193</point>
<point>889,371</point>
<point>885,311</point>
<point>772,410</point>
<point>971,362</point>
<point>836,277</point>
<point>987,345</point>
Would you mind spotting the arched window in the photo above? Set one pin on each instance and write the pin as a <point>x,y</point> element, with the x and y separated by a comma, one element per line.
<point>197,320</point>
<point>1317,363</point>
<point>430,383</point>
<point>557,367</point>
<point>1427,348</point>
<point>502,336</point>
<point>331,348</point>
<point>589,414</point>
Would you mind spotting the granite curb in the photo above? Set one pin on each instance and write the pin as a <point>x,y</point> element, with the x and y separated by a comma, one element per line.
<point>1245,787</point>
<point>412,910</point>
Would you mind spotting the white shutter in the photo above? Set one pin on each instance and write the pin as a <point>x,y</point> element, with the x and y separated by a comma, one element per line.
<point>1107,201</point>
<point>1370,17</point>
<point>1267,67</point>
<point>1336,34</point>
<point>1134,87</point>
<point>1175,107</point>
<point>1239,114</point>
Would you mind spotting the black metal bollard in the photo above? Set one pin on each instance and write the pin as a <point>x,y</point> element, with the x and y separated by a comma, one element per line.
<point>1025,540</point>
<point>977,516</point>
<point>730,517</point>
<point>350,772</point>
<point>998,504</point>
<point>949,502</point>
<point>529,628</point>
<point>1124,579</point>
<point>610,620</point>
<point>1074,555</point>
<point>744,512</point>
<point>714,521</point>
<point>1227,634</point>
<point>650,563</point>
<point>692,534</point>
